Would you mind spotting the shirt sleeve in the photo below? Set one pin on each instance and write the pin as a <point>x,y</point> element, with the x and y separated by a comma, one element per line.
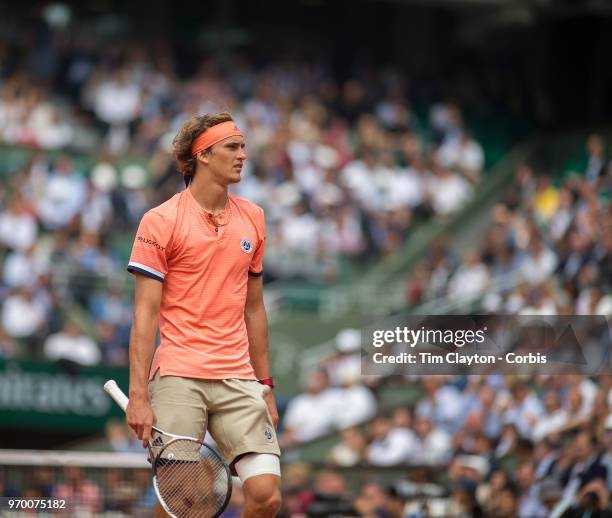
<point>150,250</point>
<point>256,266</point>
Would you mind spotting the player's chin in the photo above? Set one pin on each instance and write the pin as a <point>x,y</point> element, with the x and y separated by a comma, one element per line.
<point>235,176</point>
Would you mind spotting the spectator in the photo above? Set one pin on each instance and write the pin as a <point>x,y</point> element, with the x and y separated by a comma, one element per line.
<point>114,349</point>
<point>524,407</point>
<point>331,496</point>
<point>84,494</point>
<point>21,269</point>
<point>44,482</point>
<point>545,199</point>
<point>575,412</point>
<point>586,467</point>
<point>116,102</point>
<point>539,263</point>
<point>448,191</point>
<point>579,254</point>
<point>296,484</point>
<point>358,404</point>
<point>549,494</point>
<point>50,130</point>
<point>593,501</point>
<point>529,505</point>
<point>389,446</point>
<point>553,419</point>
<point>70,344</point>
<point>488,491</point>
<point>23,314</point>
<point>464,500</point>
<point>470,279</point>
<point>371,500</point>
<point>506,503</point>
<point>596,163</point>
<point>433,444</point>
<point>442,403</point>
<point>546,455</point>
<point>351,450</point>
<point>345,366</point>
<point>395,503</point>
<point>123,494</point>
<point>313,413</point>
<point>97,210</point>
<point>63,195</point>
<point>464,154</point>
<point>606,459</point>
<point>18,227</point>
<point>474,468</point>
<point>490,414</point>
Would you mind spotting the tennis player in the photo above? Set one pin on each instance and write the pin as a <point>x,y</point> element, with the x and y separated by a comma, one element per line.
<point>197,259</point>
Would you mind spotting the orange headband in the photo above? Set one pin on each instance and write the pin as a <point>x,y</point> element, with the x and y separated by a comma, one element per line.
<point>214,134</point>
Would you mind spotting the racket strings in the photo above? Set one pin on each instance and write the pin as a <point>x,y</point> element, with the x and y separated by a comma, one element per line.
<point>191,479</point>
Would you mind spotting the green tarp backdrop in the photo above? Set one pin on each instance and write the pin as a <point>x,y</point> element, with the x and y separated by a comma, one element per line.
<point>53,397</point>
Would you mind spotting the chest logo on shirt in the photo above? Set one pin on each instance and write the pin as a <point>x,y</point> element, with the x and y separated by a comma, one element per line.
<point>246,246</point>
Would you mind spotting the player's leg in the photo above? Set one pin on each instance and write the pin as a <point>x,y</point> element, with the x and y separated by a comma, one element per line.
<point>240,424</point>
<point>262,496</point>
<point>179,408</point>
<point>159,512</point>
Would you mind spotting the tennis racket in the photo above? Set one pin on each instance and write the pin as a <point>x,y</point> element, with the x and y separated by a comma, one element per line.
<point>189,477</point>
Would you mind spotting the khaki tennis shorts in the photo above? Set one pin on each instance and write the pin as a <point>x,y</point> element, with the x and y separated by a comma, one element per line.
<point>233,411</point>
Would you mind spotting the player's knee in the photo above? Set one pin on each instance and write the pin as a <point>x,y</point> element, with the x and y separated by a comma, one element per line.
<point>273,504</point>
<point>266,502</point>
<point>260,473</point>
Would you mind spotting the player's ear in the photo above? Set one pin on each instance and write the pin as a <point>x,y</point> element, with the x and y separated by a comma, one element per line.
<point>203,156</point>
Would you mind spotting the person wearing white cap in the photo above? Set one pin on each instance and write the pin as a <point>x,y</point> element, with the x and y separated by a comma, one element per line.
<point>345,365</point>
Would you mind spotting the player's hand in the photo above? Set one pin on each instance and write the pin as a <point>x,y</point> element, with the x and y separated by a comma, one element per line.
<point>271,404</point>
<point>140,418</point>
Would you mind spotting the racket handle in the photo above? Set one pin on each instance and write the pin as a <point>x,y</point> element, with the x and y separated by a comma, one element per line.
<point>113,390</point>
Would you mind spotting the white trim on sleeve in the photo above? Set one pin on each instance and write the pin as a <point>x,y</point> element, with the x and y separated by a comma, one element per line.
<point>146,269</point>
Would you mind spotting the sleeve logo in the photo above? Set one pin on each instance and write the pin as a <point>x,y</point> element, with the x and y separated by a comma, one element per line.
<point>151,242</point>
<point>246,246</point>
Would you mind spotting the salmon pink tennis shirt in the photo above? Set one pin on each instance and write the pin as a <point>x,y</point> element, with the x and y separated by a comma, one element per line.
<point>204,274</point>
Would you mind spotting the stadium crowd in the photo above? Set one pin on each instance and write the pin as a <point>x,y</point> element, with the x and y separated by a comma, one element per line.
<point>526,446</point>
<point>343,168</point>
<point>523,445</point>
<point>547,252</point>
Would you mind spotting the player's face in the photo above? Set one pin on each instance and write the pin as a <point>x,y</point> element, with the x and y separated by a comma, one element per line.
<point>227,158</point>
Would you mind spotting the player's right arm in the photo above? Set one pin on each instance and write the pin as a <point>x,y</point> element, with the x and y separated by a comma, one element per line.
<point>139,414</point>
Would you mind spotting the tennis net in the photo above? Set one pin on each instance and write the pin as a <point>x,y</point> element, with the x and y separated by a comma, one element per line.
<point>92,484</point>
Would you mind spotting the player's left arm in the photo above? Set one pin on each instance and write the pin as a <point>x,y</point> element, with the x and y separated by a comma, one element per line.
<point>257,329</point>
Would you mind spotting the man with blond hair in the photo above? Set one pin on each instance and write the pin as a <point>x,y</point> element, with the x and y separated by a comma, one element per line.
<point>197,259</point>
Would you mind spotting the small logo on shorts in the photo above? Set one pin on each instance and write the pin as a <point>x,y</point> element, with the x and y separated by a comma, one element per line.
<point>268,434</point>
<point>246,246</point>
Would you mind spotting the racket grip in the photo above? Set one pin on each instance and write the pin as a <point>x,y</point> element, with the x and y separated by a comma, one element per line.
<point>113,390</point>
